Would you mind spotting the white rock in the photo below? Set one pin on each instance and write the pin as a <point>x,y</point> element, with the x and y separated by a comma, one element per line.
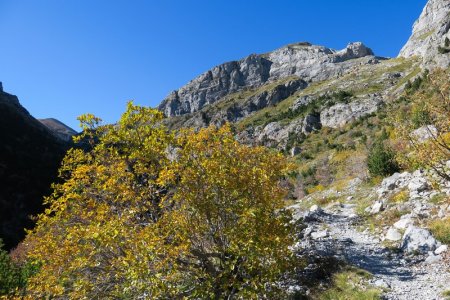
<point>431,259</point>
<point>403,223</point>
<point>352,216</point>
<point>441,249</point>
<point>307,232</point>
<point>377,207</point>
<point>340,114</point>
<point>418,185</point>
<point>319,234</point>
<point>315,208</point>
<point>418,240</point>
<point>381,283</point>
<point>393,234</point>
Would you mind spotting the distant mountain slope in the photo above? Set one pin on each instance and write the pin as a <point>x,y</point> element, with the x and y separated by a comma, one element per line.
<point>29,158</point>
<point>308,62</point>
<point>60,129</point>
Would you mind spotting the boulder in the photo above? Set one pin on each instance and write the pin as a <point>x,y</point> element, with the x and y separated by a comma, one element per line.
<point>295,151</point>
<point>393,182</point>
<point>319,234</point>
<point>418,185</point>
<point>441,249</point>
<point>377,207</point>
<point>424,133</point>
<point>315,209</point>
<point>418,240</point>
<point>432,259</point>
<point>402,224</point>
<point>393,235</point>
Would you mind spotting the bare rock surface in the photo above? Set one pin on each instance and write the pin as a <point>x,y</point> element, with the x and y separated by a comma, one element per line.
<point>302,60</point>
<point>402,276</point>
<point>340,114</point>
<point>430,31</point>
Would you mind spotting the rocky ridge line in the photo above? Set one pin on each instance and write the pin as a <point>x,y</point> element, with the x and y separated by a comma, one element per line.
<point>308,62</point>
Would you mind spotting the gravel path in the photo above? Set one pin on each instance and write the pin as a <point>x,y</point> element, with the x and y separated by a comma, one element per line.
<point>403,277</point>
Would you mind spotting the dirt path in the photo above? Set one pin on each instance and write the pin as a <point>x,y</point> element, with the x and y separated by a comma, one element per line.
<point>404,277</point>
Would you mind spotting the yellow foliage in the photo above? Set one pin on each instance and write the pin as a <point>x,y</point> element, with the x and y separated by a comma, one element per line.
<point>430,110</point>
<point>314,189</point>
<point>142,214</point>
<point>401,196</point>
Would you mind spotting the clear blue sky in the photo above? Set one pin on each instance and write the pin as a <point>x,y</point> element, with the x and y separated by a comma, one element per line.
<point>65,58</point>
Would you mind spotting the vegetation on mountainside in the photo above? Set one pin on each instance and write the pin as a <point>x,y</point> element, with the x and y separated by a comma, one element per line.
<point>381,160</point>
<point>428,111</point>
<point>351,284</point>
<point>146,214</point>
<point>441,229</point>
<point>13,275</point>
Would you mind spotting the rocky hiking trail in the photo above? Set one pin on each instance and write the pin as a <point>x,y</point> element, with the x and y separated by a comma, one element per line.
<point>335,232</point>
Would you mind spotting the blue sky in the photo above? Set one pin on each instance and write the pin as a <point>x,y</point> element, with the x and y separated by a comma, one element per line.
<point>65,58</point>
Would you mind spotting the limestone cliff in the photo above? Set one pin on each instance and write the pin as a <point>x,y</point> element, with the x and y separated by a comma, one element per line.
<point>430,36</point>
<point>309,63</point>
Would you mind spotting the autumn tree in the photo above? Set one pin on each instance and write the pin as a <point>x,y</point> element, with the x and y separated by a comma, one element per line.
<point>423,128</point>
<point>231,216</point>
<point>144,215</point>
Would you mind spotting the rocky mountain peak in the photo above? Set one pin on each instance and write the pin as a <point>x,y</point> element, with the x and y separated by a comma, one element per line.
<point>430,36</point>
<point>59,129</point>
<point>308,62</point>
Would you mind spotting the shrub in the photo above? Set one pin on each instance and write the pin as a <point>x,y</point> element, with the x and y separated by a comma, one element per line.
<point>441,230</point>
<point>381,160</point>
<point>443,50</point>
<point>430,105</point>
<point>351,284</point>
<point>13,276</point>
<point>136,219</point>
<point>420,116</point>
<point>401,196</point>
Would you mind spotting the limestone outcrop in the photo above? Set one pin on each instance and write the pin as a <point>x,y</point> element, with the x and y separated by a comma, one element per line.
<point>430,36</point>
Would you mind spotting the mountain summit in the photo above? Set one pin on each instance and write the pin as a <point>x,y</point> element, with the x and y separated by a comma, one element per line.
<point>308,62</point>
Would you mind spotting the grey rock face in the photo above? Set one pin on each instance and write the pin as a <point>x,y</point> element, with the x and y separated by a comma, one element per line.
<point>59,129</point>
<point>239,110</point>
<point>340,114</point>
<point>418,240</point>
<point>276,134</point>
<point>425,133</point>
<point>310,63</point>
<point>393,182</point>
<point>429,34</point>
<point>216,83</point>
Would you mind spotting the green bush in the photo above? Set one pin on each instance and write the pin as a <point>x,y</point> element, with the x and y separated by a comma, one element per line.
<point>381,160</point>
<point>13,276</point>
<point>443,50</point>
<point>420,116</point>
